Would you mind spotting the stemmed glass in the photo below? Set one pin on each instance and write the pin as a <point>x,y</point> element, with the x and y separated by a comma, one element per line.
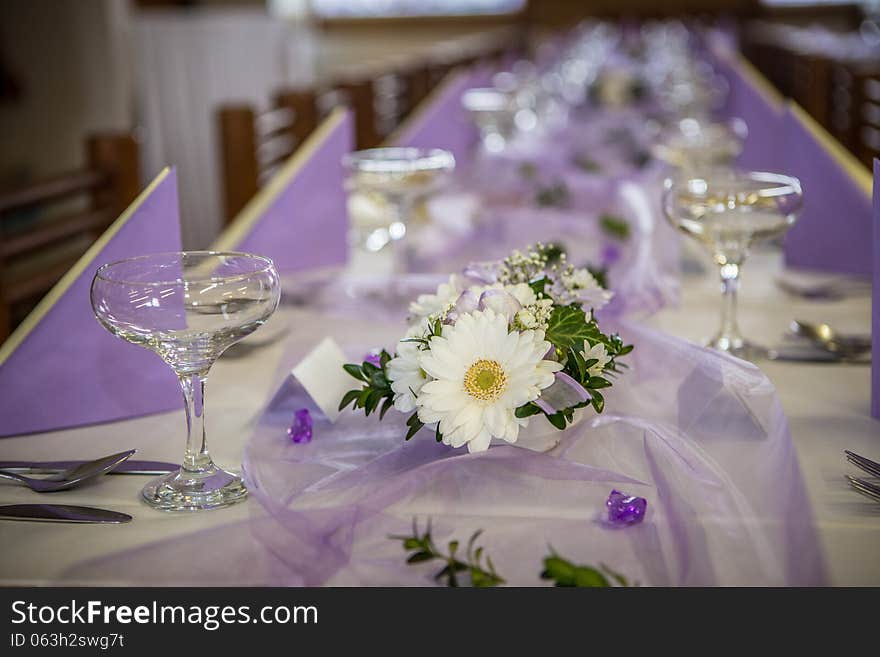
<point>188,307</point>
<point>493,111</point>
<point>395,179</point>
<point>694,145</point>
<point>727,212</point>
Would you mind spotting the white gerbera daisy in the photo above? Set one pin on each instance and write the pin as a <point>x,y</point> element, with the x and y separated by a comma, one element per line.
<point>481,373</point>
<point>598,352</point>
<point>405,373</point>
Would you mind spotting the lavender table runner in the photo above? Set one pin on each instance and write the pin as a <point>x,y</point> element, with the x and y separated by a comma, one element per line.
<point>61,369</point>
<point>299,219</point>
<point>834,230</point>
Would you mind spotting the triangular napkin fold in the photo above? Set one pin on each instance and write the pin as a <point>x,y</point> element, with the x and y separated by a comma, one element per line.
<point>299,219</point>
<point>60,368</point>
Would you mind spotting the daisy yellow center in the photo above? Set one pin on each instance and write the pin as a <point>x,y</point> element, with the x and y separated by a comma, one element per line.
<point>485,380</point>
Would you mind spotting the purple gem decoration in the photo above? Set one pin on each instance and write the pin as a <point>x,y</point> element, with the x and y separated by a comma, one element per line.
<point>301,429</point>
<point>372,358</point>
<point>610,254</point>
<point>625,509</point>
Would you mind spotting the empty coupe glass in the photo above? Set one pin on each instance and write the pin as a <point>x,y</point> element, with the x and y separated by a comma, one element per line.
<point>694,145</point>
<point>389,181</point>
<point>188,307</point>
<point>493,111</point>
<point>727,212</point>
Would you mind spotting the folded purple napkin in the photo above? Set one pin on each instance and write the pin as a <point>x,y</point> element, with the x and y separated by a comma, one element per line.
<point>833,232</point>
<point>299,219</point>
<point>875,300</point>
<point>445,123</point>
<point>60,368</point>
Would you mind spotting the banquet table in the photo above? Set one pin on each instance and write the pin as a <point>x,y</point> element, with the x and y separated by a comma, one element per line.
<point>827,407</point>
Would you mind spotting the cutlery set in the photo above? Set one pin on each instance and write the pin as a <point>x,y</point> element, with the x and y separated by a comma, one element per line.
<point>867,488</point>
<point>819,343</point>
<point>64,475</point>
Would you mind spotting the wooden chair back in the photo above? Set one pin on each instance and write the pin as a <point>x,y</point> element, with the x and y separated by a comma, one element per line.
<point>47,225</point>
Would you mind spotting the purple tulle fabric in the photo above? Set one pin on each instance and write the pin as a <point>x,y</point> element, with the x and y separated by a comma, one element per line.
<point>700,435</point>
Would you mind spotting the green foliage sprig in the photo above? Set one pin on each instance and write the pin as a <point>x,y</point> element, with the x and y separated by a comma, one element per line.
<point>568,329</point>
<point>557,569</point>
<point>614,227</point>
<point>422,548</point>
<point>565,573</point>
<point>376,388</point>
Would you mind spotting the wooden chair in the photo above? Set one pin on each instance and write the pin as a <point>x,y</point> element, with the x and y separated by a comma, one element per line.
<point>47,225</point>
<point>866,113</point>
<point>253,145</point>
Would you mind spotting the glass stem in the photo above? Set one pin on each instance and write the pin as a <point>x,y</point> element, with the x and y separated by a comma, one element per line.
<point>197,457</point>
<point>729,287</point>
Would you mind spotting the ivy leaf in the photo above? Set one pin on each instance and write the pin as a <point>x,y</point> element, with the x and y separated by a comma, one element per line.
<point>568,327</point>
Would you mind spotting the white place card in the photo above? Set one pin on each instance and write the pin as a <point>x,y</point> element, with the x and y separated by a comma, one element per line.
<point>322,376</point>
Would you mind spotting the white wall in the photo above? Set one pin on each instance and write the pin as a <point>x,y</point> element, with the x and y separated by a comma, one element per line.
<point>74,74</point>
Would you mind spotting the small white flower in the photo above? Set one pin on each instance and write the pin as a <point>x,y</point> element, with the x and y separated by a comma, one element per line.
<point>522,293</point>
<point>586,289</point>
<point>480,373</point>
<point>598,352</point>
<point>526,319</point>
<point>435,304</point>
<point>405,373</point>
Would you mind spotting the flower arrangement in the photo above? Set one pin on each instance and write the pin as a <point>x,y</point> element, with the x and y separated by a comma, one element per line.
<point>494,346</point>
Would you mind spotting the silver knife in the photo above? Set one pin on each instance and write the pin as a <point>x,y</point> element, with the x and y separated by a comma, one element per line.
<point>128,466</point>
<point>61,513</point>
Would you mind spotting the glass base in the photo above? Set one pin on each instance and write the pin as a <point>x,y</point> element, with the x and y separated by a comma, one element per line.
<point>195,491</point>
<point>739,347</point>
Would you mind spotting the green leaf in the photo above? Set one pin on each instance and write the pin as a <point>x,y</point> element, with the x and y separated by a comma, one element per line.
<point>348,398</point>
<point>389,402</point>
<point>419,557</point>
<point>355,371</point>
<point>527,410</point>
<point>568,327</point>
<point>411,543</point>
<point>625,350</point>
<point>586,577</point>
<point>597,383</point>
<point>538,285</point>
<point>414,425</point>
<point>598,401</point>
<point>557,420</point>
<point>615,227</point>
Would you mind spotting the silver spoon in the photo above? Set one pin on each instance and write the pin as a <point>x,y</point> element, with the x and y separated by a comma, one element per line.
<point>822,335</point>
<point>72,477</point>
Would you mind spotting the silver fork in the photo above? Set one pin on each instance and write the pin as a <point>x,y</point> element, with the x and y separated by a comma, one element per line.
<point>864,487</point>
<point>867,465</point>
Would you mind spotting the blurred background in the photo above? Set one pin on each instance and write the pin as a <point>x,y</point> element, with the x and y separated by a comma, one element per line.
<point>96,96</point>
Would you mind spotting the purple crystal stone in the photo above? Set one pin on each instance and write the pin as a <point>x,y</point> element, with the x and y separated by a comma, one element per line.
<point>625,509</point>
<point>301,429</point>
<point>372,358</point>
<point>610,254</point>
